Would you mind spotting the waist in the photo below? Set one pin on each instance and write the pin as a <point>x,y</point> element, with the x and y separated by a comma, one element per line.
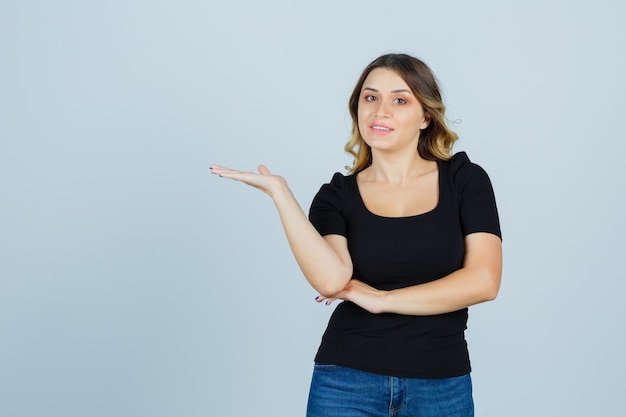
<point>396,345</point>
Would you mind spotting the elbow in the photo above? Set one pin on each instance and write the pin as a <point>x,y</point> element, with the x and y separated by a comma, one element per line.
<point>330,289</point>
<point>332,286</point>
<point>490,287</point>
<point>491,294</point>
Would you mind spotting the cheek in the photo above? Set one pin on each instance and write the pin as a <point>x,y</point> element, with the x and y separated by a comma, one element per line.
<point>419,122</point>
<point>361,119</point>
<point>362,130</point>
<point>360,114</point>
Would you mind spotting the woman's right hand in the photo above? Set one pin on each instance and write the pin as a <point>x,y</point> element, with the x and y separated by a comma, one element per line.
<point>325,261</point>
<point>264,180</point>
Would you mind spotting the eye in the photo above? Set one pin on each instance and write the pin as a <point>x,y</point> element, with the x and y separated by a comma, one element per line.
<point>369,97</point>
<point>399,100</point>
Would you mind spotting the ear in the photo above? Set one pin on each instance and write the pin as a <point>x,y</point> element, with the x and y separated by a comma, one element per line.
<point>426,122</point>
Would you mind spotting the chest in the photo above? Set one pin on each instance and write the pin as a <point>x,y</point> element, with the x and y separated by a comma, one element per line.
<point>409,199</point>
<point>392,253</point>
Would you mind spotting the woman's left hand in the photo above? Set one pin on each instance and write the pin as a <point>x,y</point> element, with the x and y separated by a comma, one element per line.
<point>361,294</point>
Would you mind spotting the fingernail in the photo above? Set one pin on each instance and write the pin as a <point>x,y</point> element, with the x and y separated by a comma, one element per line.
<point>326,302</point>
<point>317,298</point>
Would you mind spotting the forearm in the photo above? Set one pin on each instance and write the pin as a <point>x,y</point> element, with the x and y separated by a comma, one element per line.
<point>477,281</point>
<point>321,265</point>
<point>456,291</point>
<point>325,262</point>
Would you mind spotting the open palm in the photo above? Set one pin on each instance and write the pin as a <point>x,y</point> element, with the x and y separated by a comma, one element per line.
<point>264,180</point>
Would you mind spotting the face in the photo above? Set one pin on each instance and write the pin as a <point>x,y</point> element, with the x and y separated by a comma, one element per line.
<point>389,116</point>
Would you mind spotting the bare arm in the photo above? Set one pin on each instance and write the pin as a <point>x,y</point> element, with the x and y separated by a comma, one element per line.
<point>476,282</point>
<point>327,268</point>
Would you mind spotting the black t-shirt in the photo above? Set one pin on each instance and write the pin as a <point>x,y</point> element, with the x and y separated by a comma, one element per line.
<point>395,252</point>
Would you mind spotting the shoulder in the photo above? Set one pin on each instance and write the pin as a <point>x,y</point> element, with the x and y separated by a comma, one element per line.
<point>333,192</point>
<point>338,182</point>
<point>472,188</point>
<point>461,163</point>
<point>463,171</point>
<point>328,208</point>
<point>467,180</point>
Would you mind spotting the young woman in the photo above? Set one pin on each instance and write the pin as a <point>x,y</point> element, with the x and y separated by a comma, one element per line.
<point>408,240</point>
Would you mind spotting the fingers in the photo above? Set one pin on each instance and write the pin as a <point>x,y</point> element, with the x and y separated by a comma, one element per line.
<point>263,180</point>
<point>236,174</point>
<point>263,170</point>
<point>233,174</point>
<point>223,171</point>
<point>327,301</point>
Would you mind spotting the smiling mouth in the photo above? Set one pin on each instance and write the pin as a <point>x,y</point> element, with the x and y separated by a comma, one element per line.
<point>381,128</point>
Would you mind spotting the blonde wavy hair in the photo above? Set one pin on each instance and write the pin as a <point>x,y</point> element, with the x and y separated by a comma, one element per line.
<point>436,140</point>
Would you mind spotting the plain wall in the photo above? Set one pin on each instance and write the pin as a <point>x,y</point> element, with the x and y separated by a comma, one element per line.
<point>134,283</point>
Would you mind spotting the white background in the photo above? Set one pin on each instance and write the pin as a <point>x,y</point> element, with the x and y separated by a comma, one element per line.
<point>134,283</point>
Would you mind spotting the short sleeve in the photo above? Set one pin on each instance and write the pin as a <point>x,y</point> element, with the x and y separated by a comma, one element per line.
<point>326,212</point>
<point>477,204</point>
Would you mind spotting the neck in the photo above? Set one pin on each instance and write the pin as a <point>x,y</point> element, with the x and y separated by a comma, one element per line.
<point>398,168</point>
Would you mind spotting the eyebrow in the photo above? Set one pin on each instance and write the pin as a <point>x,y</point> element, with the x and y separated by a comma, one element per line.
<point>402,90</point>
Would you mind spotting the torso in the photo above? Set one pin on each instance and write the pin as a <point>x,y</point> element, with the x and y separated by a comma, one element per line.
<point>394,247</point>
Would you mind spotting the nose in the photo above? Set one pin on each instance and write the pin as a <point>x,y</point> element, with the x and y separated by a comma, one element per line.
<point>382,110</point>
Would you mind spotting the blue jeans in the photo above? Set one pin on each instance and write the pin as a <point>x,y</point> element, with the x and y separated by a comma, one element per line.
<point>337,391</point>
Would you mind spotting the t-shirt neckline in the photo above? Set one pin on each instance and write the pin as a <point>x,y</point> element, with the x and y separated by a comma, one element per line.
<point>413,216</point>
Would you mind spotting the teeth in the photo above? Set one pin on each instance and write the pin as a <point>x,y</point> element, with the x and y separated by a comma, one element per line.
<point>380,128</point>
